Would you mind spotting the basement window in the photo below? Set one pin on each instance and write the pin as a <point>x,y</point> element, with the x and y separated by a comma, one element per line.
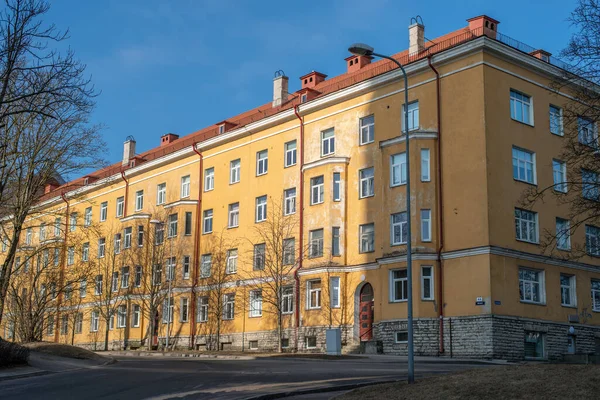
<point>534,345</point>
<point>253,344</point>
<point>285,343</point>
<point>311,342</point>
<point>401,336</point>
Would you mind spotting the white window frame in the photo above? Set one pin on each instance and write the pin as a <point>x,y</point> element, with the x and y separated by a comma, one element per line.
<point>555,114</point>
<point>313,304</point>
<point>205,265</point>
<point>209,179</point>
<point>427,280</point>
<point>317,190</point>
<point>103,211</point>
<point>316,243</point>
<point>591,178</point>
<point>261,208</point>
<point>186,267</point>
<point>73,221</point>
<point>571,287</point>
<point>595,293</point>
<point>404,282</point>
<point>127,236</point>
<point>531,224</point>
<point>401,225</point>
<point>202,313</point>
<point>231,262</point>
<point>98,284</point>
<point>425,165</point>
<point>540,282</point>
<point>290,155</point>
<point>366,238</point>
<point>87,217</point>
<point>258,257</point>
<point>262,162</point>
<point>184,310</point>
<point>139,200</point>
<point>207,219</point>
<point>135,316</point>
<point>185,186</point>
<point>559,176</point>
<point>120,207</point>
<point>70,255</point>
<point>586,128</point>
<point>289,251</point>
<point>287,299</point>
<point>85,252</point>
<point>366,128</point>
<point>101,247</point>
<point>256,303</point>
<point>413,116</point>
<point>524,102</point>
<point>426,225</point>
<point>336,191</point>
<point>563,232</point>
<point>125,277</point>
<point>161,193</point>
<point>117,243</point>
<point>592,240</point>
<point>122,316</point>
<point>173,225</point>
<point>233,220</point>
<point>327,142</point>
<point>398,169</point>
<point>335,292</point>
<point>366,184</point>
<point>229,306</point>
<point>94,321</point>
<point>520,162</point>
<point>289,206</point>
<point>234,171</point>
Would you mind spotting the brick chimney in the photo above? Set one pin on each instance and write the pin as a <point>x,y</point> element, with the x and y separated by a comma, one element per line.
<point>354,62</point>
<point>168,139</point>
<point>313,79</point>
<point>416,38</point>
<point>128,150</point>
<point>280,89</point>
<point>484,25</point>
<point>50,187</point>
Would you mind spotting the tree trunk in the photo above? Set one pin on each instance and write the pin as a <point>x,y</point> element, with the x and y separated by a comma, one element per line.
<point>106,337</point>
<point>279,332</point>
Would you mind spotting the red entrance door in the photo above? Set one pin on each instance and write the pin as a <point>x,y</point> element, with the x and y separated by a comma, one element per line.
<point>365,314</point>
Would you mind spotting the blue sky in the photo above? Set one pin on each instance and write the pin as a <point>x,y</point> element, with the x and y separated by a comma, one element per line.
<point>179,66</point>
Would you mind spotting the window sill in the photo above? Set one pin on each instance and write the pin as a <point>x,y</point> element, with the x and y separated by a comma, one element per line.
<point>397,301</point>
<point>208,190</point>
<point>287,313</point>
<point>427,299</point>
<point>523,123</point>
<point>287,215</point>
<point>313,257</point>
<point>366,252</point>
<point>206,233</point>
<point>398,244</point>
<point>527,241</point>
<point>366,143</point>
<point>254,316</point>
<point>289,166</point>
<point>313,308</point>
<point>257,175</point>
<point>233,227</point>
<point>316,204</point>
<point>533,303</point>
<point>522,181</point>
<point>366,197</point>
<point>327,155</point>
<point>559,134</point>
<point>569,306</point>
<point>233,183</point>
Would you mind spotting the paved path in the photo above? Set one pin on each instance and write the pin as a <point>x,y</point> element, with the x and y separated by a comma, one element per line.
<point>161,378</point>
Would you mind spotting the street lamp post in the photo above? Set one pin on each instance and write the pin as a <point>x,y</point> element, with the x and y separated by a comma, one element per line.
<point>362,49</point>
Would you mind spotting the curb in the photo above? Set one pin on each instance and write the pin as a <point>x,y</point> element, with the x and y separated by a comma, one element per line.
<point>179,355</point>
<point>25,375</point>
<point>336,388</point>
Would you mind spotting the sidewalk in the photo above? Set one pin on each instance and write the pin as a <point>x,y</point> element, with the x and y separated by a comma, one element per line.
<point>21,372</point>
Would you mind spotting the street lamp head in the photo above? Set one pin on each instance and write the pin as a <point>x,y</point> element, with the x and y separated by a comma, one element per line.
<point>361,49</point>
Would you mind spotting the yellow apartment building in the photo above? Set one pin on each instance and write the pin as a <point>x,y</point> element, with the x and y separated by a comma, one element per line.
<point>295,212</point>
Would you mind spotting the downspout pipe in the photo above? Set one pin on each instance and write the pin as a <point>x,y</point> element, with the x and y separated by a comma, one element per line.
<point>440,207</point>
<point>301,222</point>
<point>62,268</point>
<point>126,193</point>
<point>196,248</point>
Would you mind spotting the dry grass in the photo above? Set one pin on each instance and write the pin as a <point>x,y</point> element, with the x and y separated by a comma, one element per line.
<point>540,381</point>
<point>63,350</point>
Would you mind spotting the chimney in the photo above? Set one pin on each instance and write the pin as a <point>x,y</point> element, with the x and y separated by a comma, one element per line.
<point>416,38</point>
<point>313,79</point>
<point>483,25</point>
<point>128,150</point>
<point>542,55</point>
<point>50,187</point>
<point>354,62</point>
<point>280,89</point>
<point>168,138</point>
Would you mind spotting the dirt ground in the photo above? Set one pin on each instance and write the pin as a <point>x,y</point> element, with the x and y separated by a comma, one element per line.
<point>528,381</point>
<point>62,350</point>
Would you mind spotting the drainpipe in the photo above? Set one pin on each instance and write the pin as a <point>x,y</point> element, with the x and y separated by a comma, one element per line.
<point>126,193</point>
<point>440,207</point>
<point>62,270</point>
<point>196,248</point>
<point>301,227</point>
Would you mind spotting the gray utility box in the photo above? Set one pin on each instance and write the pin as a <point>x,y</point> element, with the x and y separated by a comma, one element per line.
<point>333,340</point>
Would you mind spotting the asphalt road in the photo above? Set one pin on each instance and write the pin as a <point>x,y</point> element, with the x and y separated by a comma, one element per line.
<point>160,378</point>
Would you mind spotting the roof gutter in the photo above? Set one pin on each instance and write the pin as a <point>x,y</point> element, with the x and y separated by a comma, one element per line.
<point>301,222</point>
<point>126,193</point>
<point>197,236</point>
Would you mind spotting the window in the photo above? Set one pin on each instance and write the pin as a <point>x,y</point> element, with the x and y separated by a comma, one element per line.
<point>413,116</point>
<point>556,123</point>
<point>78,323</point>
<point>531,285</point>
<point>289,251</point>
<point>523,165</point>
<point>115,282</point>
<point>234,171</point>
<point>317,190</point>
<point>98,285</point>
<point>398,285</point>
<point>111,323</point>
<point>188,223</point>
<point>526,225</point>
<point>327,142</point>
<point>563,234</point>
<point>398,169</point>
<point>173,219</point>
<point>161,194</point>
<point>337,195</point>
<point>87,217</point>
<point>520,107</point>
<point>186,267</point>
<point>57,224</point>
<point>367,179</point>
<point>259,256</point>
<point>28,236</point>
<point>427,283</point>
<point>208,221</point>
<point>287,300</point>
<point>425,166</point>
<point>70,255</point>
<point>117,243</point>
<point>262,162</point>
<point>311,342</point>
<point>101,247</point>
<point>590,185</point>
<point>157,274</point>
<point>313,289</point>
<point>168,306</point>
<point>595,295</point>
<point>202,309</point>
<point>73,222</point>
<point>559,173</point>
<point>221,129</point>
<point>68,291</point>
<point>234,215</point>
<point>426,225</point>
<point>367,238</point>
<point>335,241</point>
<point>139,200</point>
<point>587,133</point>
<point>127,237</point>
<point>83,288</point>
<point>103,211</point>
<point>253,345</point>
<point>256,303</point>
<point>229,306</point>
<point>232,258</point>
<point>206,263</point>
<point>185,186</point>
<point>334,292</point>
<point>367,129</point>
<point>137,280</point>
<point>140,235</point>
<point>261,208</point>
<point>568,296</point>
<point>120,206</point>
<point>124,277</point>
<point>159,233</point>
<point>135,316</point>
<point>95,321</point>
<point>209,179</point>
<point>592,240</point>
<point>315,240</point>
<point>122,316</point>
<point>399,228</point>
<point>534,345</point>
<point>289,205</point>
<point>290,153</point>
<point>401,337</point>
<point>171,264</point>
<point>184,310</point>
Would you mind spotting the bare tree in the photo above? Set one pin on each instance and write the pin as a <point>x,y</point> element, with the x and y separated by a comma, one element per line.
<point>45,103</point>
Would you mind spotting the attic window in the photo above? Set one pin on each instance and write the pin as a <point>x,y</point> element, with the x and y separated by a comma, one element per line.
<point>306,81</point>
<point>132,164</point>
<point>303,98</point>
<point>86,181</point>
<point>221,129</point>
<point>487,24</point>
<point>492,26</point>
<point>545,57</point>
